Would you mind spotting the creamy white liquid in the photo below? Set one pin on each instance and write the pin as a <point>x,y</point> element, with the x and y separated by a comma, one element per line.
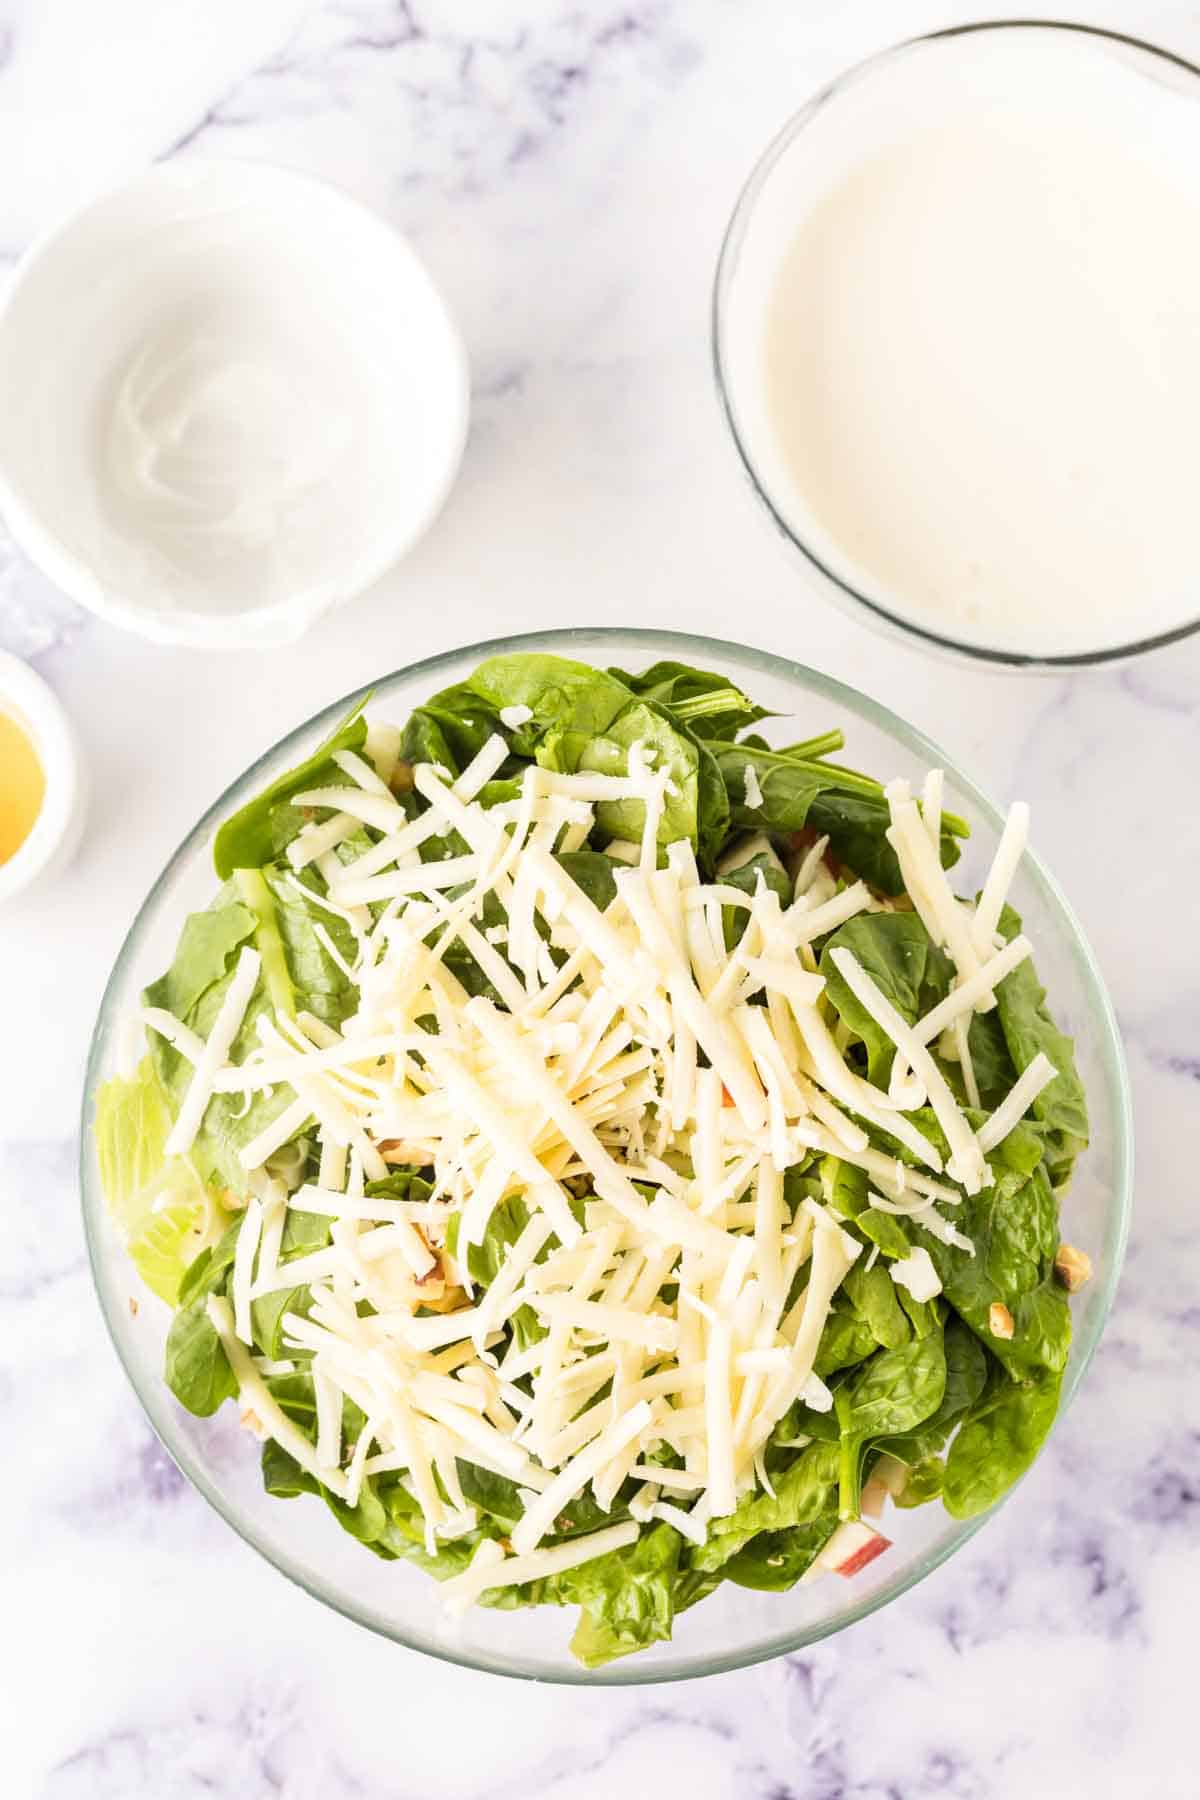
<point>222,442</point>
<point>971,360</point>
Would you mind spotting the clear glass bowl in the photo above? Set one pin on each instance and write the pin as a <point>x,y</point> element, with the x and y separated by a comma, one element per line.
<point>734,1627</point>
<point>829,132</point>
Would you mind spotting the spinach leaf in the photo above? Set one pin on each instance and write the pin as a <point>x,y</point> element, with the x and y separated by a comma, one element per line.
<point>206,944</point>
<point>993,1066</point>
<point>708,704</point>
<point>998,1440</point>
<point>451,728</point>
<point>775,1560</point>
<point>885,1230</point>
<point>282,1475</point>
<point>1014,1227</point>
<point>484,1260</point>
<point>493,1494</point>
<point>304,1231</point>
<point>966,1374</point>
<point>847,1339</point>
<point>674,751</point>
<point>267,1314</point>
<point>788,788</point>
<point>593,872</point>
<point>876,1299</point>
<point>498,1497</point>
<point>805,1493</point>
<point>252,886</point>
<point>563,696</point>
<point>746,877</point>
<point>225,1128</point>
<point>207,1273</point>
<point>320,985</point>
<point>1061,1107</point>
<point>845,1187</point>
<point>712,807</point>
<point>893,1392</point>
<point>901,958</point>
<point>260,830</point>
<point>626,1598</point>
<point>196,1368</point>
<point>851,811</point>
<point>925,1482</point>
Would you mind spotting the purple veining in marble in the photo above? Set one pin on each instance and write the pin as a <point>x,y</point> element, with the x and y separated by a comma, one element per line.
<point>35,617</point>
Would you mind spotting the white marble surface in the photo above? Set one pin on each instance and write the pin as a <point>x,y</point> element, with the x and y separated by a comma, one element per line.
<point>567,171</point>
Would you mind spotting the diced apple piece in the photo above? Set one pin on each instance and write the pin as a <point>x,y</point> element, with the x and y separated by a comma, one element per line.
<point>892,1473</point>
<point>873,1498</point>
<point>852,1546</point>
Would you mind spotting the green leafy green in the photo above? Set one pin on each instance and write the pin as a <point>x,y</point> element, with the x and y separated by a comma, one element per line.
<point>196,1367</point>
<point>265,825</point>
<point>202,956</point>
<point>667,749</point>
<point>966,1372</point>
<point>892,1392</point>
<point>319,982</point>
<point>855,817</point>
<point>747,877</point>
<point>876,1299</point>
<point>805,1494</point>
<point>926,1480</point>
<point>626,1597</point>
<point>158,1201</point>
<point>707,703</point>
<point>268,940</point>
<point>1028,1028</point>
<point>562,695</point>
<point>788,788</point>
<point>908,968</point>
<point>225,1127</point>
<point>593,872</point>
<point>998,1440</point>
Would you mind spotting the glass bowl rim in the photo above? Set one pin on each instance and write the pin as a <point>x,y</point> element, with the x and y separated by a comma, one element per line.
<point>845,593</point>
<point>154,1396</point>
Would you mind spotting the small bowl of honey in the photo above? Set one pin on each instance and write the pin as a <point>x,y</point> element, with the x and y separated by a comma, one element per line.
<point>41,780</point>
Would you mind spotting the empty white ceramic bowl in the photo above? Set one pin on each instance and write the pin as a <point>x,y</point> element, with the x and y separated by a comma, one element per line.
<point>230,397</point>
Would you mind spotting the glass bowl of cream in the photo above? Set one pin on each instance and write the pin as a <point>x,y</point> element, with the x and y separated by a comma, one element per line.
<point>230,397</point>
<point>956,336</point>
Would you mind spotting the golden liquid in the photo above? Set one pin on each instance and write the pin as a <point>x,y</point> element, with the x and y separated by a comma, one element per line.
<point>22,785</point>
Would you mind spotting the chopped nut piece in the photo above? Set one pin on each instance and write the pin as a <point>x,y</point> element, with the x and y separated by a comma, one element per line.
<point>1000,1320</point>
<point>253,1423</point>
<point>1073,1267</point>
<point>450,1300</point>
<point>133,1307</point>
<point>394,1150</point>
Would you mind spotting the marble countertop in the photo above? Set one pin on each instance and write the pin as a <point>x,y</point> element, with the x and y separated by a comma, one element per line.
<point>567,171</point>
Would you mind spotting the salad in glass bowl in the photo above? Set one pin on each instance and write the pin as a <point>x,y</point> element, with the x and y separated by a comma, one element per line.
<point>598,1151</point>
